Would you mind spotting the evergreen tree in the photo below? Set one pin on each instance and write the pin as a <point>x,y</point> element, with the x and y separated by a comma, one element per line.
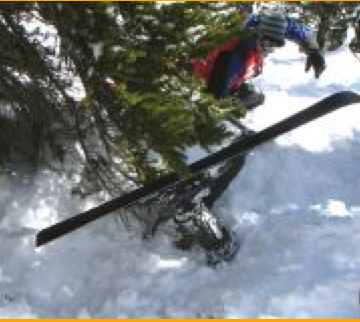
<point>331,20</point>
<point>140,108</point>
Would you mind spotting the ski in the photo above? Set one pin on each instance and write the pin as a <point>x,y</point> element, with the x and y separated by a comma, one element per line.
<point>315,111</point>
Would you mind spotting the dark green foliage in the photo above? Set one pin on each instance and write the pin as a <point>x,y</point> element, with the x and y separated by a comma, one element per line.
<point>331,20</point>
<point>29,97</point>
<point>140,108</point>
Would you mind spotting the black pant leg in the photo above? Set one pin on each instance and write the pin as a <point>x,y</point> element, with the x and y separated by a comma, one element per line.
<point>217,79</point>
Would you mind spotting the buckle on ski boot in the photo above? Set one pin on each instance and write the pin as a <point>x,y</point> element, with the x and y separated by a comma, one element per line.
<point>225,253</point>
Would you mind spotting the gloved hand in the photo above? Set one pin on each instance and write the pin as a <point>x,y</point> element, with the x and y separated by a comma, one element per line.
<point>317,61</point>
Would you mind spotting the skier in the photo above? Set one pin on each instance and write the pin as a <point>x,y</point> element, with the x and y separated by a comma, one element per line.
<point>226,70</point>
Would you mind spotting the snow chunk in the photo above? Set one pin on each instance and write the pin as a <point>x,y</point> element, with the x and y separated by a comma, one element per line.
<point>97,50</point>
<point>336,208</point>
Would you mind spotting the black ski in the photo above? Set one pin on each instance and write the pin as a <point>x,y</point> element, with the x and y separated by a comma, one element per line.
<point>319,109</point>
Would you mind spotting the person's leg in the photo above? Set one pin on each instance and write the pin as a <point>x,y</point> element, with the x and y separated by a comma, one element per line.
<point>227,174</point>
<point>217,81</point>
<point>199,225</point>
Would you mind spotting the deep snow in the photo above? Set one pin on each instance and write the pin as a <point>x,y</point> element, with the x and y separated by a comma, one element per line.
<point>295,206</point>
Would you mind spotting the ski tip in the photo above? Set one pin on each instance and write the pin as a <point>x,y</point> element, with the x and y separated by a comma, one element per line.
<point>38,242</point>
<point>348,96</point>
<point>40,239</point>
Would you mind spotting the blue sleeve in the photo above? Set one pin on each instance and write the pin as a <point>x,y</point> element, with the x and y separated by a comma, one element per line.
<point>298,32</point>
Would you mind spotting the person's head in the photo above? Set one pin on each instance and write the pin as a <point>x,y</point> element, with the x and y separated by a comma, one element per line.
<point>271,29</point>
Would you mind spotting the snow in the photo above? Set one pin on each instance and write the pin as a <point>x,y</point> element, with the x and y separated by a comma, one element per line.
<point>295,207</point>
<point>97,49</point>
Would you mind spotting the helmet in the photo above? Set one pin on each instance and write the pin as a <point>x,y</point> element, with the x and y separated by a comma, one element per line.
<point>272,27</point>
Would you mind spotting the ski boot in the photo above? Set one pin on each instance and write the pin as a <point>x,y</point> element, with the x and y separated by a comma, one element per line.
<point>200,226</point>
<point>247,97</point>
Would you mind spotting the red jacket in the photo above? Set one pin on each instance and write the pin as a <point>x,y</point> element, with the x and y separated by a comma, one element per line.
<point>245,63</point>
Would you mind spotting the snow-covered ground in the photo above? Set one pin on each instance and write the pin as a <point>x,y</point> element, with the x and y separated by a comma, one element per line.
<point>295,206</point>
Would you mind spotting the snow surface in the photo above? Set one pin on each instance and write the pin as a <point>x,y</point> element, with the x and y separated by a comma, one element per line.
<point>295,206</point>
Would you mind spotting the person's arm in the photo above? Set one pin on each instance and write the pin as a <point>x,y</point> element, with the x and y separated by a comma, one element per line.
<point>301,34</point>
<point>305,38</point>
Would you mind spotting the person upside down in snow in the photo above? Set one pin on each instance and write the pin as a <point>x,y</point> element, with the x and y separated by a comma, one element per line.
<point>226,71</point>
